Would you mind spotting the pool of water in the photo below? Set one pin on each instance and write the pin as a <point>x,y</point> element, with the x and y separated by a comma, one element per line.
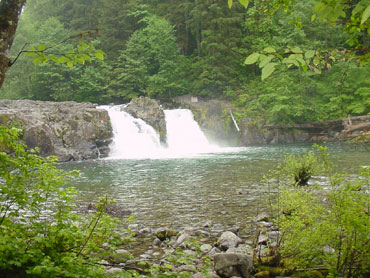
<point>224,187</point>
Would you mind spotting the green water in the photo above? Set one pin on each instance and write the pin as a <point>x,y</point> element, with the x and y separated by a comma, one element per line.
<point>223,188</point>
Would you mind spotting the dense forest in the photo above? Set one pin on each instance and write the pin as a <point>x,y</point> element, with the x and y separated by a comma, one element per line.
<point>163,48</point>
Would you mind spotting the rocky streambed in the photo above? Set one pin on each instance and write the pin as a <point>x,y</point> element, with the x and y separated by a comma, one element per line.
<point>200,252</point>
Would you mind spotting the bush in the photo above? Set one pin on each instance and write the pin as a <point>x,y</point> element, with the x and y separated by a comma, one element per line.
<point>41,235</point>
<point>300,168</point>
<point>327,228</point>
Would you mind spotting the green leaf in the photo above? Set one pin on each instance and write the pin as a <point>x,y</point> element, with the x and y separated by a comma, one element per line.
<point>297,49</point>
<point>251,59</point>
<point>290,61</point>
<point>268,70</point>
<point>37,61</point>
<point>63,60</point>
<point>266,60</point>
<point>245,3</point>
<point>313,17</point>
<point>41,47</point>
<point>365,15</point>
<point>309,54</point>
<point>230,3</point>
<point>70,64</point>
<point>269,49</point>
<point>99,54</point>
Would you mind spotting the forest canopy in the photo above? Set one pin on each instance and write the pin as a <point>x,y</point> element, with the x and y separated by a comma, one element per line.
<point>168,48</point>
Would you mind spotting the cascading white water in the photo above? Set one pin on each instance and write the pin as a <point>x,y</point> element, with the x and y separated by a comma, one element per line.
<point>133,138</point>
<point>184,135</point>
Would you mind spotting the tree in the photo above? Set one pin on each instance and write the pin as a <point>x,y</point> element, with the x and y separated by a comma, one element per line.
<point>10,11</point>
<point>353,18</point>
<point>150,64</point>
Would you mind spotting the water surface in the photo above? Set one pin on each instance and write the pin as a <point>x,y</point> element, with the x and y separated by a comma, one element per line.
<point>222,187</point>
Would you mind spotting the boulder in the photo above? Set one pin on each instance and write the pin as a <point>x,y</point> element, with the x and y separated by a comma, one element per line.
<point>228,240</point>
<point>150,112</point>
<point>69,130</point>
<point>233,264</point>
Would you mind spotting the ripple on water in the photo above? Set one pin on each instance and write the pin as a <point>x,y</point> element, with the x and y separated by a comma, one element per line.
<point>224,188</point>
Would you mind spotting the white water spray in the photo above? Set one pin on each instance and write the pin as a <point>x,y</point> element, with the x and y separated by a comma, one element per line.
<point>133,138</point>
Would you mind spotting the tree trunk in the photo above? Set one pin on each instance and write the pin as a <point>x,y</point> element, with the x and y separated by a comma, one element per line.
<point>10,11</point>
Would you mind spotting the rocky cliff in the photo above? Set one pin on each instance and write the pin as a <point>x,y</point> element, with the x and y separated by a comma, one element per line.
<point>69,130</point>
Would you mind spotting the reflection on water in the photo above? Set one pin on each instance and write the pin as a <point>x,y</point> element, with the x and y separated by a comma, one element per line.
<point>223,187</point>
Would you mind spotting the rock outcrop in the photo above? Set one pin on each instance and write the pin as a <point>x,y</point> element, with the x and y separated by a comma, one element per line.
<point>150,112</point>
<point>69,130</point>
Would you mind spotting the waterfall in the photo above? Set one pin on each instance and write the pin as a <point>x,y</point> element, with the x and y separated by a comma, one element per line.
<point>133,138</point>
<point>235,123</point>
<point>184,135</point>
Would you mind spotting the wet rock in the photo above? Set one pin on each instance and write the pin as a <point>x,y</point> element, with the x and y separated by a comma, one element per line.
<point>262,217</point>
<point>241,249</point>
<point>205,248</point>
<point>191,253</point>
<point>164,233</point>
<point>197,275</point>
<point>156,242</point>
<point>150,112</point>
<point>182,238</point>
<point>214,251</point>
<point>228,240</point>
<point>187,268</point>
<point>234,229</point>
<point>207,224</point>
<point>262,239</point>
<point>273,235</point>
<point>145,231</point>
<point>232,264</point>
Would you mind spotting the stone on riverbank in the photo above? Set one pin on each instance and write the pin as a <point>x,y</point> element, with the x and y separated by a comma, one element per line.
<point>233,264</point>
<point>228,240</point>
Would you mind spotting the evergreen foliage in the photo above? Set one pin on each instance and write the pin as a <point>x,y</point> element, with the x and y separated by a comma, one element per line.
<point>167,48</point>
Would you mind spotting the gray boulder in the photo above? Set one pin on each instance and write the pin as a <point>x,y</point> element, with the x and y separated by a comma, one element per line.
<point>69,130</point>
<point>233,264</point>
<point>150,112</point>
<point>228,240</point>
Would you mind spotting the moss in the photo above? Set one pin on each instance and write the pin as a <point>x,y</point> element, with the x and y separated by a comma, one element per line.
<point>309,274</point>
<point>163,235</point>
<point>274,271</point>
<point>262,274</point>
<point>4,119</point>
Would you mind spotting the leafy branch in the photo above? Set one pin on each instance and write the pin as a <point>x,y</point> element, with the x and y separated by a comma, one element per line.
<point>83,52</point>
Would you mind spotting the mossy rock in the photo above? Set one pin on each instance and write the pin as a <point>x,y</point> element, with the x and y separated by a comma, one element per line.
<point>274,271</point>
<point>262,274</point>
<point>4,119</point>
<point>270,261</point>
<point>165,234</point>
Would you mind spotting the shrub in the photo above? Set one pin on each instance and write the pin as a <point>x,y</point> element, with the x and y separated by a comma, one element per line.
<point>327,228</point>
<point>300,168</point>
<point>41,235</point>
